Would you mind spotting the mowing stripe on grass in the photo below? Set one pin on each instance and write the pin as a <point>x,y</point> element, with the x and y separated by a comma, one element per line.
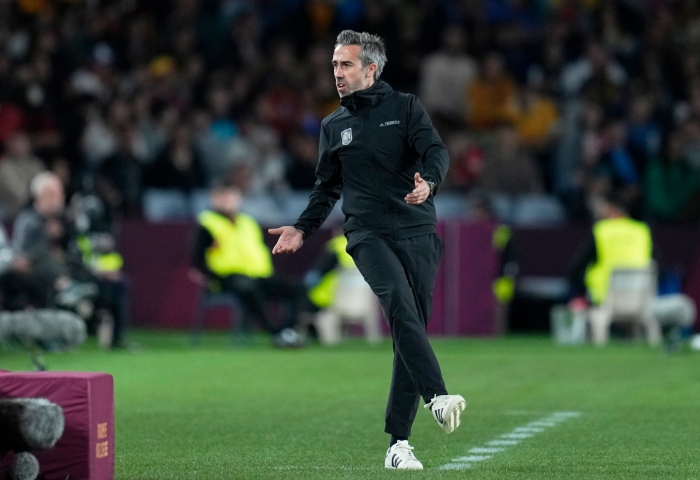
<point>508,439</point>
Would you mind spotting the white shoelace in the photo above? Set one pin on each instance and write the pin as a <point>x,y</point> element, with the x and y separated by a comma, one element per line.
<point>405,449</point>
<point>438,401</point>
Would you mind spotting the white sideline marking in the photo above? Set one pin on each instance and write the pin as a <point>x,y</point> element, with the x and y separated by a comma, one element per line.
<point>515,436</point>
<point>503,442</point>
<point>518,435</point>
<point>472,458</point>
<point>485,450</point>
<point>321,467</point>
<point>456,466</point>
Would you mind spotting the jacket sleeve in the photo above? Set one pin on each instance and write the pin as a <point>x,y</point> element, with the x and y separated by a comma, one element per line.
<point>326,191</point>
<point>200,241</point>
<point>27,234</point>
<point>586,255</point>
<point>5,250</point>
<point>425,140</point>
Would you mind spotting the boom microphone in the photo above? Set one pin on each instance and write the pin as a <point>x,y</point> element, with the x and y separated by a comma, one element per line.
<point>59,328</point>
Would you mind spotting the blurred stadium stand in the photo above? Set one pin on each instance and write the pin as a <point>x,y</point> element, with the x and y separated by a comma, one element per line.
<point>144,103</point>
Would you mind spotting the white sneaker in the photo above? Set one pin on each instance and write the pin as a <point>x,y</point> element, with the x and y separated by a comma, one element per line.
<point>447,410</point>
<point>400,457</point>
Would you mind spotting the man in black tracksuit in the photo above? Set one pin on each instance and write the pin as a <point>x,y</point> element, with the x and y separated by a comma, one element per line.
<point>382,153</point>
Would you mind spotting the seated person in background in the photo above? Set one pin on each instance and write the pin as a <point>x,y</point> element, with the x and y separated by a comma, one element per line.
<point>618,241</point>
<point>47,255</point>
<point>5,253</point>
<point>322,280</point>
<point>228,251</point>
<point>17,288</point>
<point>96,245</point>
<point>38,270</point>
<point>336,272</point>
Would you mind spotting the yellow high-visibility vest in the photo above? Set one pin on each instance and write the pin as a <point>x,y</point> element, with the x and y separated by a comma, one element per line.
<point>504,286</point>
<point>620,243</point>
<point>101,262</point>
<point>323,294</point>
<point>238,246</point>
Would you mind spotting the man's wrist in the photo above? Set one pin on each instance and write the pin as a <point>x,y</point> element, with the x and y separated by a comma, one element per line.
<point>300,230</point>
<point>432,187</point>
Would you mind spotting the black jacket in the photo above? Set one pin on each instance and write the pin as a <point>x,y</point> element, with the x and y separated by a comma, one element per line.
<point>369,150</point>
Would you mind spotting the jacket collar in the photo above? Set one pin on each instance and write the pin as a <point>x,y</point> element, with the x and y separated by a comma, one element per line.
<point>364,98</point>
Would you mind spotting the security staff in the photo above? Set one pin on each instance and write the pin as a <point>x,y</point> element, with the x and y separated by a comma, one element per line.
<point>618,241</point>
<point>323,281</point>
<point>229,251</point>
<point>382,153</point>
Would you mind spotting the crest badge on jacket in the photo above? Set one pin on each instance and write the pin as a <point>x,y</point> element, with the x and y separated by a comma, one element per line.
<point>346,136</point>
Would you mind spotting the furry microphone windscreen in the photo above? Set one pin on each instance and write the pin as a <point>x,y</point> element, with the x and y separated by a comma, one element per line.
<point>29,423</point>
<point>24,466</point>
<point>60,328</point>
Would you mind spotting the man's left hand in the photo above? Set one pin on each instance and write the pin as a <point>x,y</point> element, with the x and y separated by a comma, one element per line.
<point>419,194</point>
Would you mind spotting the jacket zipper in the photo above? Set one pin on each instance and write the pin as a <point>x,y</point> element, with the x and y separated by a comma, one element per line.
<point>378,174</point>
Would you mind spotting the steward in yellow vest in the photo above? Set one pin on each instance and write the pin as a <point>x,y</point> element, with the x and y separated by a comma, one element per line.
<point>238,247</point>
<point>229,250</point>
<point>617,241</point>
<point>98,253</point>
<point>323,281</point>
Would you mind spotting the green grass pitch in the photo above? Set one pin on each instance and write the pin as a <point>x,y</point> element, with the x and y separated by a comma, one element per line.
<point>217,412</point>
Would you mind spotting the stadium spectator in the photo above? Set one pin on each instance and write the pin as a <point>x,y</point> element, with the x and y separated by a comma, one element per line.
<point>228,253</point>
<point>51,267</point>
<point>73,77</point>
<point>5,250</point>
<point>596,76</point>
<point>580,146</point>
<point>617,169</point>
<point>445,75</point>
<point>177,166</point>
<point>508,168</point>
<point>17,168</point>
<point>671,181</point>
<point>100,137</point>
<point>119,177</point>
<point>301,173</point>
<point>644,132</point>
<point>266,157</point>
<point>466,162</point>
<point>487,96</point>
<point>11,115</point>
<point>18,289</point>
<point>545,72</point>
<point>534,117</point>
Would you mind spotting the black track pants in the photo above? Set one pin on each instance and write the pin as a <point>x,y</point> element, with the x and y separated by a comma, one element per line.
<point>402,274</point>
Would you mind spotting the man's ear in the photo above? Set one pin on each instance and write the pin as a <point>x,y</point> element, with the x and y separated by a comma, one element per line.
<point>369,71</point>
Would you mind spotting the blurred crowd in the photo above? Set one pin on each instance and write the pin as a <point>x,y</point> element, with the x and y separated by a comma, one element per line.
<point>144,104</point>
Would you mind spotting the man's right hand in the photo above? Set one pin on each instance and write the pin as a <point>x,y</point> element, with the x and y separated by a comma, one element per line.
<point>290,239</point>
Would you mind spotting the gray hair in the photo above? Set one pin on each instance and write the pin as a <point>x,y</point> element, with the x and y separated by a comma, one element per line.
<point>371,48</point>
<point>41,179</point>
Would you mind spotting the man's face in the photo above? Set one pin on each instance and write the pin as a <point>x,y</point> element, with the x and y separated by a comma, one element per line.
<point>350,75</point>
<point>50,199</point>
<point>227,200</point>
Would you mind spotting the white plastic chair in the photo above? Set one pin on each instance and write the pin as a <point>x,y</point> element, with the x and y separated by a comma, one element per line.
<point>355,303</point>
<point>630,296</point>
